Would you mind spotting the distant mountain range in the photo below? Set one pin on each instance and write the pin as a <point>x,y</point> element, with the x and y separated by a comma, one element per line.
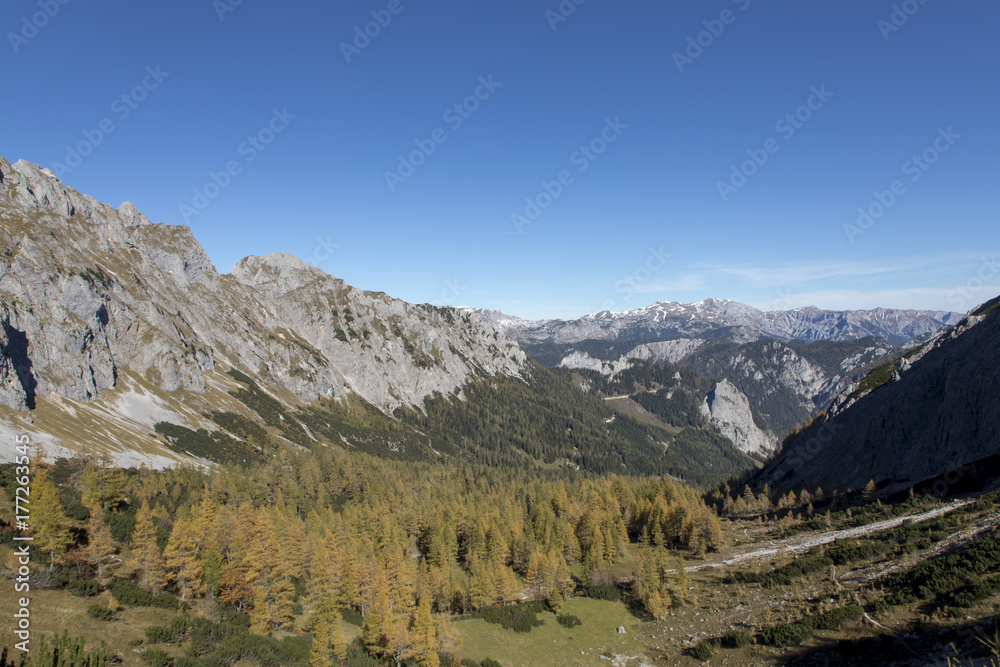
<point>783,366</point>
<point>716,318</point>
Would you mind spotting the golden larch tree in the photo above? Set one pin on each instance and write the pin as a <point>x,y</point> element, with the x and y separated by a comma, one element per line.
<point>183,565</point>
<point>149,564</point>
<point>49,525</point>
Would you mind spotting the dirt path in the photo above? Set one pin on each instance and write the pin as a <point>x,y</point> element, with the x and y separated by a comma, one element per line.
<point>800,543</point>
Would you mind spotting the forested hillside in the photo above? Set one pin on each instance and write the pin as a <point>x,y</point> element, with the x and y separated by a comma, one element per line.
<point>307,541</point>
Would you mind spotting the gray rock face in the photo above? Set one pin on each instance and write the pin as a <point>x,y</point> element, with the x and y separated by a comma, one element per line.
<point>88,292</point>
<point>940,410</point>
<point>728,409</point>
<point>667,351</point>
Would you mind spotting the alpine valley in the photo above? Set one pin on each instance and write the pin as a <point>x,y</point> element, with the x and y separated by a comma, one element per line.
<point>272,467</point>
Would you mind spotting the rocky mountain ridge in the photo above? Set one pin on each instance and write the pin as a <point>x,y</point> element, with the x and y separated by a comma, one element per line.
<point>930,412</point>
<point>92,297</point>
<point>711,318</point>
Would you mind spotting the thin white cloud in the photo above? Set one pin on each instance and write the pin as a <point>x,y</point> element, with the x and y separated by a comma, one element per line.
<point>803,272</point>
<point>959,299</point>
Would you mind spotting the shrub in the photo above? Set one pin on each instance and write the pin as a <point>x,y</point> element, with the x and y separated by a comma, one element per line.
<point>84,588</point>
<point>155,657</point>
<point>174,634</point>
<point>128,592</point>
<point>158,635</point>
<point>519,618</point>
<point>973,593</point>
<point>790,634</point>
<point>568,620</point>
<point>737,639</point>
<point>782,576</point>
<point>704,649</point>
<point>100,612</point>
<point>879,606</point>
<point>605,592</point>
<point>489,662</point>
<point>832,620</point>
<point>121,524</point>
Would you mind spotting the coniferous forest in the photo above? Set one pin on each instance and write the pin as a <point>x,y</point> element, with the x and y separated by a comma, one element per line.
<point>294,547</point>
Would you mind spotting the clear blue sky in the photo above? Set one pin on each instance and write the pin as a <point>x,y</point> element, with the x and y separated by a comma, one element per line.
<point>445,233</point>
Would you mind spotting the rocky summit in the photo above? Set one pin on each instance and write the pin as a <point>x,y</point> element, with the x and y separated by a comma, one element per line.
<point>110,318</point>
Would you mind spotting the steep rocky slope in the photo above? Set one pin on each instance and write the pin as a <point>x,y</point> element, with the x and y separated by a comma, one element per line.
<point>118,334</point>
<point>930,412</point>
<point>95,299</point>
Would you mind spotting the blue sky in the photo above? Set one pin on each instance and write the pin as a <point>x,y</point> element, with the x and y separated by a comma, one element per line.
<point>627,148</point>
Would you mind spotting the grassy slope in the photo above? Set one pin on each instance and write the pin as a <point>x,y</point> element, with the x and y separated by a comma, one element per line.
<point>552,644</point>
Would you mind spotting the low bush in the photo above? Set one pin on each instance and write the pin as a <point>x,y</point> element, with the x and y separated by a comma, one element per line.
<point>519,617</point>
<point>879,606</point>
<point>736,639</point>
<point>704,649</point>
<point>100,612</point>
<point>789,634</point>
<point>128,592</point>
<point>155,657</point>
<point>832,620</point>
<point>174,634</point>
<point>784,575</point>
<point>605,592</point>
<point>84,588</point>
<point>969,595</point>
<point>568,620</point>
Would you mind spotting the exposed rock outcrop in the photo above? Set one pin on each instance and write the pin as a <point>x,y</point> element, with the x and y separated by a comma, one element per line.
<point>939,410</point>
<point>728,409</point>
<point>88,291</point>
